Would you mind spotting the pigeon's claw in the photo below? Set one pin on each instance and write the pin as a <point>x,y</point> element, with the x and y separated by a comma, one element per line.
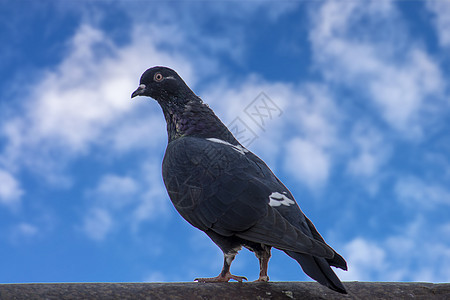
<point>222,278</point>
<point>264,278</point>
<point>237,278</point>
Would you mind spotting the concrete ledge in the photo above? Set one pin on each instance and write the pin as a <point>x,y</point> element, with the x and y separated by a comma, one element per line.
<point>232,290</point>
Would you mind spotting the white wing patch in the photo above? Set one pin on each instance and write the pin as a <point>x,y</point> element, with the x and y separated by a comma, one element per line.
<point>238,148</point>
<point>277,199</point>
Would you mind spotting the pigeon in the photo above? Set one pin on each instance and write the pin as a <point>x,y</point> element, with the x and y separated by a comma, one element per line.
<point>223,189</point>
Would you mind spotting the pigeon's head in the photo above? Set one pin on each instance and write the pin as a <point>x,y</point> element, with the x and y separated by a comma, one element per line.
<point>163,85</point>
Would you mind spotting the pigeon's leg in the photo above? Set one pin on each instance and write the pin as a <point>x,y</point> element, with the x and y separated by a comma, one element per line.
<point>263,256</point>
<point>225,275</point>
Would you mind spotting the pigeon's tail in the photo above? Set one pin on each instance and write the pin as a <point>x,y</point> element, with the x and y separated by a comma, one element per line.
<point>318,268</point>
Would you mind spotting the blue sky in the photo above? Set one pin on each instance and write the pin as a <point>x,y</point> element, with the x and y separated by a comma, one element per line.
<point>360,134</point>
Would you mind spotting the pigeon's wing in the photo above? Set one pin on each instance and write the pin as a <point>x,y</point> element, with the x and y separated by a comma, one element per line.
<point>294,214</point>
<point>205,181</point>
<point>218,186</point>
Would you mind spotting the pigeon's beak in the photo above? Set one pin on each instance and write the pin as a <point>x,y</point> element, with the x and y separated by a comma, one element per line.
<point>139,91</point>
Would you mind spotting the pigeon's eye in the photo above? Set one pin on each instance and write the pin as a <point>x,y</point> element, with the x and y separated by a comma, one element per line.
<point>158,77</point>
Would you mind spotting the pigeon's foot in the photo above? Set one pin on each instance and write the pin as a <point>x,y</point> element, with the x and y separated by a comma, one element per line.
<point>262,279</point>
<point>222,278</point>
<point>263,256</point>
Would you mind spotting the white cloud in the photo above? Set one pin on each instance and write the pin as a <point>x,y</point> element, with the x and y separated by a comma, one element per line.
<point>415,192</point>
<point>112,196</point>
<point>154,201</point>
<point>129,135</point>
<point>363,258</point>
<point>307,110</point>
<point>82,104</point>
<point>418,252</point>
<point>314,117</point>
<point>73,103</point>
<point>230,100</point>
<point>364,164</point>
<point>85,101</point>
<point>115,191</point>
<point>370,152</point>
<point>400,78</point>
<point>307,162</point>
<point>24,232</point>
<point>441,11</point>
<point>118,202</point>
<point>27,229</point>
<point>97,224</point>
<point>10,190</point>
